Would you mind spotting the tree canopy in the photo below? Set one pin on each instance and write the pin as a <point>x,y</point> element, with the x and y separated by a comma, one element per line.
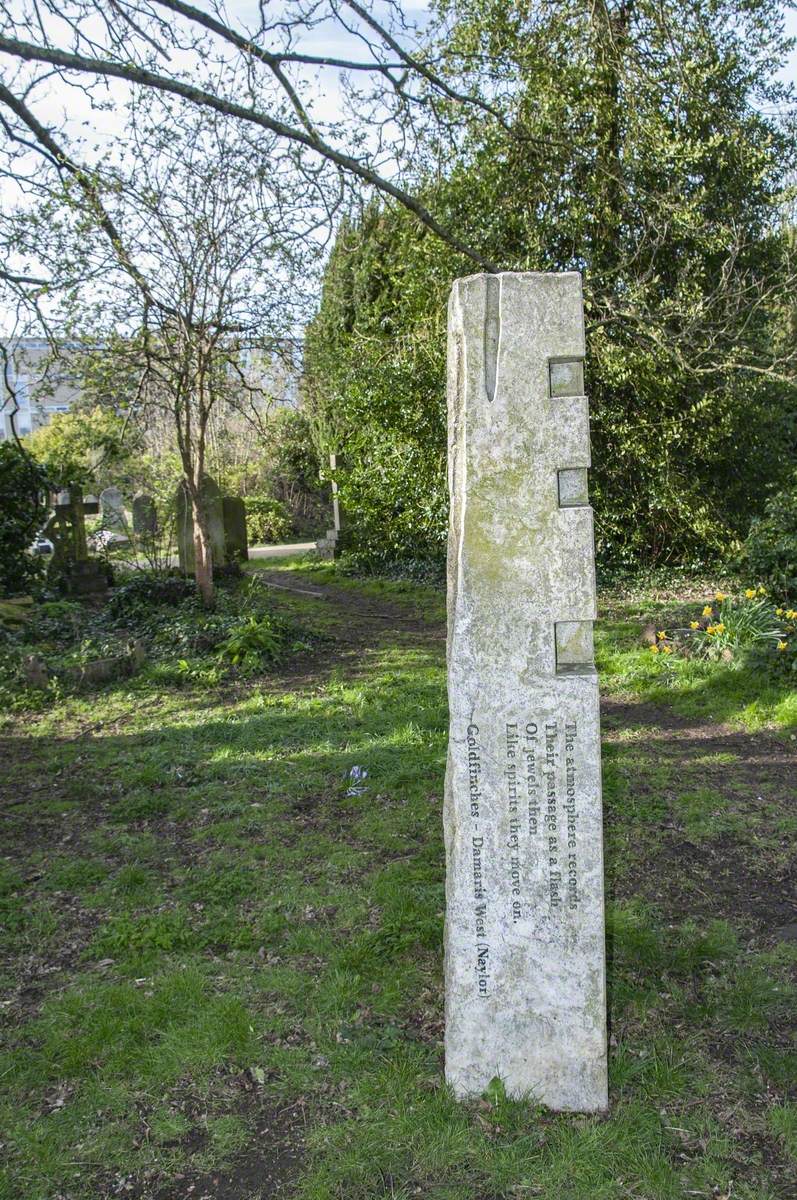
<point>646,149</point>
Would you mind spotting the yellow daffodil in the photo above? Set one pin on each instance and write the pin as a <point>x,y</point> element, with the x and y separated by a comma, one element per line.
<point>791,614</point>
<point>720,628</point>
<point>710,630</point>
<point>719,597</point>
<point>654,649</point>
<point>762,591</point>
<point>661,635</point>
<point>778,612</point>
<point>782,645</point>
<point>708,611</point>
<point>694,624</point>
<point>749,593</point>
<point>667,649</point>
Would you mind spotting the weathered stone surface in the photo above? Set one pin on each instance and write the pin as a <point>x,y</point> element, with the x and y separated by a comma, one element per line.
<point>236,541</point>
<point>214,509</point>
<point>145,516</point>
<point>525,973</point>
<point>113,508</point>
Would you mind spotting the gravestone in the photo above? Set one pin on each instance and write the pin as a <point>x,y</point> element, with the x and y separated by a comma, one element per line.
<point>326,547</point>
<point>236,542</point>
<point>145,516</point>
<point>212,501</point>
<point>525,970</point>
<point>70,564</point>
<point>113,508</point>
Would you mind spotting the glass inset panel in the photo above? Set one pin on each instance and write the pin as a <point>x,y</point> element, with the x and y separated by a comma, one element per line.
<point>573,488</point>
<point>574,647</point>
<point>567,377</point>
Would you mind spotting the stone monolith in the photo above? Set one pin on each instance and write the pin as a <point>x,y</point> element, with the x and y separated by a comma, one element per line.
<point>214,512</point>
<point>525,967</point>
<point>112,505</point>
<point>236,541</point>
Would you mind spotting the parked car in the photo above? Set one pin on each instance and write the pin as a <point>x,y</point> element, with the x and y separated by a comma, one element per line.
<point>41,545</point>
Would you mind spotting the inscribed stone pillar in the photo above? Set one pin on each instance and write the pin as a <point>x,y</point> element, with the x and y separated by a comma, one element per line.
<point>525,971</point>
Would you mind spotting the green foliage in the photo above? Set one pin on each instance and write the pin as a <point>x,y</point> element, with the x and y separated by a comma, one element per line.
<point>146,590</point>
<point>22,509</point>
<point>267,519</point>
<point>292,471</point>
<point>77,446</point>
<point>739,623</point>
<point>250,643</point>
<point>770,551</point>
<point>244,928</point>
<point>611,169</point>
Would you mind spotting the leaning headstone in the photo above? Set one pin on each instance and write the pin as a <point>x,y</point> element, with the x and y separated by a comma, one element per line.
<point>236,542</point>
<point>211,497</point>
<point>145,516</point>
<point>113,508</point>
<point>525,970</point>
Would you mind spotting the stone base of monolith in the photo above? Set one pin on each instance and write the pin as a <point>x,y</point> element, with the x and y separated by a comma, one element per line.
<point>525,974</point>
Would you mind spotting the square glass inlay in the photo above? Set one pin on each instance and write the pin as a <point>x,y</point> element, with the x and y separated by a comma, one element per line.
<point>574,644</point>
<point>573,488</point>
<point>567,377</point>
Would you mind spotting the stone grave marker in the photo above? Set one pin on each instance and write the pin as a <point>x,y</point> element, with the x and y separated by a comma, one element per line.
<point>185,524</point>
<point>326,546</point>
<point>66,529</point>
<point>145,516</point>
<point>236,542</point>
<point>525,969</point>
<point>112,506</point>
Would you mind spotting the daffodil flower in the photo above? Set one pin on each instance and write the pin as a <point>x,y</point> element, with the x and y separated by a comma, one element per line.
<point>782,645</point>
<point>708,611</point>
<point>661,635</point>
<point>667,649</point>
<point>719,597</point>
<point>749,593</point>
<point>654,649</point>
<point>694,624</point>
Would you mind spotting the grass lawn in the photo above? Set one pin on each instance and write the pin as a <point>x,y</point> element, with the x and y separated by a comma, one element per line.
<point>222,973</point>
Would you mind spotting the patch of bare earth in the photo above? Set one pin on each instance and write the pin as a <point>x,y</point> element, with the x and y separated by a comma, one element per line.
<point>744,879</point>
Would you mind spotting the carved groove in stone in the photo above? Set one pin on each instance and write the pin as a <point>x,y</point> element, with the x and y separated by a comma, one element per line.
<point>492,334</point>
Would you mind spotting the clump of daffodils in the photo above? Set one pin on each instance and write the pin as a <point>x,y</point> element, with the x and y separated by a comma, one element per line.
<point>731,624</point>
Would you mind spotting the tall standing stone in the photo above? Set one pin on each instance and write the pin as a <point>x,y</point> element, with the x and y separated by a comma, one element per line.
<point>214,511</point>
<point>525,969</point>
<point>145,515</point>
<point>236,541</point>
<point>112,505</point>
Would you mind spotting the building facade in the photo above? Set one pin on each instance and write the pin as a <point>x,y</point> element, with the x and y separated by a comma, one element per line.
<point>34,384</point>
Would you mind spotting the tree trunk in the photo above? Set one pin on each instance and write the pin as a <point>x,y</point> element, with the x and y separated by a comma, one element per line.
<point>203,554</point>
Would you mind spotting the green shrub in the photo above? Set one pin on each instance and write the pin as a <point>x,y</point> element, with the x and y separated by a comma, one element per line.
<point>770,551</point>
<point>148,590</point>
<point>22,510</point>
<point>253,641</point>
<point>267,520</point>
